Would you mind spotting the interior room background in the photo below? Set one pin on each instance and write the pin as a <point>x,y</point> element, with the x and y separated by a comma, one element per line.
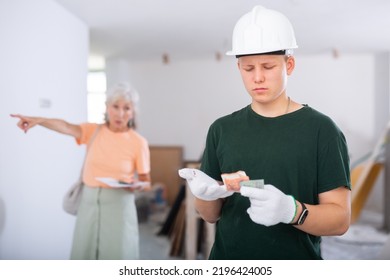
<point>43,70</point>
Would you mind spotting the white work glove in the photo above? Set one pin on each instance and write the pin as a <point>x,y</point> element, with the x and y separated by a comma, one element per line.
<point>203,186</point>
<point>269,206</point>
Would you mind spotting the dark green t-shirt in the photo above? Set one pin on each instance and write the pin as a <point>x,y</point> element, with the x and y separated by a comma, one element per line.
<point>302,153</point>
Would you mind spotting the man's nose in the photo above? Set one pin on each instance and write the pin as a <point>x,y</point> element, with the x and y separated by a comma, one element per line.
<point>259,76</point>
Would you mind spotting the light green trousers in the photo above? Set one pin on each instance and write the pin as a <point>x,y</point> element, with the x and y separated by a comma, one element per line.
<point>106,226</point>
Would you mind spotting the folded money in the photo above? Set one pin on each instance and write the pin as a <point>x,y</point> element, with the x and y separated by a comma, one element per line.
<point>232,180</point>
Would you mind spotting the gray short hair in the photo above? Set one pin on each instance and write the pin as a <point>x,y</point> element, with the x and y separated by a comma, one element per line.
<point>124,91</point>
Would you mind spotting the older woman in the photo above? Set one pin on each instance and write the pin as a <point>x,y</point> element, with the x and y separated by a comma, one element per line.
<point>106,226</point>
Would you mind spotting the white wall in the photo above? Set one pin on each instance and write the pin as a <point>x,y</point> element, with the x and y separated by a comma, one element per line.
<point>382,90</point>
<point>43,56</point>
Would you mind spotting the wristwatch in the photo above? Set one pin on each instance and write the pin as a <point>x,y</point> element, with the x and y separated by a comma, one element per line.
<point>303,215</point>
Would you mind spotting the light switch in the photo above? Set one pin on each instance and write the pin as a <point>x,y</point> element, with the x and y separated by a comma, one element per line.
<point>44,103</point>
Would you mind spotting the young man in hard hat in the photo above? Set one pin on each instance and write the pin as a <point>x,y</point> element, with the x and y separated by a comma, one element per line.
<point>299,153</point>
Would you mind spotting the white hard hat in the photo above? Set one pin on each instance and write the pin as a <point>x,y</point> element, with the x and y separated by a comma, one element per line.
<point>262,31</point>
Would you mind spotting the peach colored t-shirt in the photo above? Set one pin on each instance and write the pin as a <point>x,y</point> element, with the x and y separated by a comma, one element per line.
<point>119,155</point>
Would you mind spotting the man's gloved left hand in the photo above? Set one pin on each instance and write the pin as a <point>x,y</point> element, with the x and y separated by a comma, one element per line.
<point>203,186</point>
<point>269,206</point>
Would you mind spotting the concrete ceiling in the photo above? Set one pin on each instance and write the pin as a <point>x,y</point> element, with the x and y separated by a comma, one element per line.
<point>138,29</point>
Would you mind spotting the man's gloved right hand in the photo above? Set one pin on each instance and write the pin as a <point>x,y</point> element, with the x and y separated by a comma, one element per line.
<point>203,186</point>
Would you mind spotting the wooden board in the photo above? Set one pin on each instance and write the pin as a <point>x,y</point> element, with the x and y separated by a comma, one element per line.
<point>165,163</point>
<point>363,178</point>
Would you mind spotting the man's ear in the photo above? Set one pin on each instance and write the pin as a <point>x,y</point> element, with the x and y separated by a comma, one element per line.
<point>290,64</point>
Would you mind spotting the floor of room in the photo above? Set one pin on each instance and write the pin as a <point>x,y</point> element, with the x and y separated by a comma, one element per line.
<point>364,240</point>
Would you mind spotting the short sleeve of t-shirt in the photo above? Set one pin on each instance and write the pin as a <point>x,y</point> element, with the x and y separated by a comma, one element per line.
<point>143,158</point>
<point>87,130</point>
<point>333,159</point>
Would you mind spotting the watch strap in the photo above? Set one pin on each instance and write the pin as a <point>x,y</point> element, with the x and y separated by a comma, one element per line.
<point>302,216</point>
